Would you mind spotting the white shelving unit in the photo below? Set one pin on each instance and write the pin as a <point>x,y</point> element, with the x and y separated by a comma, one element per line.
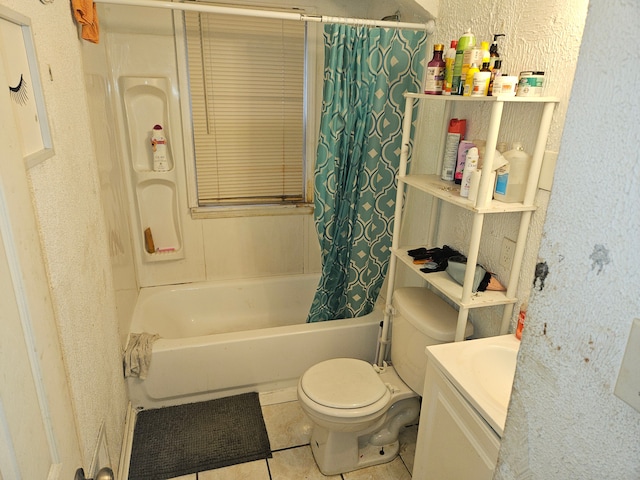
<point>443,191</point>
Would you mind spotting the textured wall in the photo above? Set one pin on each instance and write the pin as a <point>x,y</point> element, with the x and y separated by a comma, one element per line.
<point>67,203</point>
<point>564,421</point>
<point>543,35</point>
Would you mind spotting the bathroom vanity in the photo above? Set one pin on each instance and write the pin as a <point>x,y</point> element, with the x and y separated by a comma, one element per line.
<point>464,406</point>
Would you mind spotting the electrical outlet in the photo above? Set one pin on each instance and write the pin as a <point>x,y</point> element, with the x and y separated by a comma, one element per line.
<point>506,252</point>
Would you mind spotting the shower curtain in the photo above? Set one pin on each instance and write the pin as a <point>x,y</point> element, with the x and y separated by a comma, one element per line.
<point>366,73</point>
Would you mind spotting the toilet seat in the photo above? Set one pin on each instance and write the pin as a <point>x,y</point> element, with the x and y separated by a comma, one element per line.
<point>345,387</point>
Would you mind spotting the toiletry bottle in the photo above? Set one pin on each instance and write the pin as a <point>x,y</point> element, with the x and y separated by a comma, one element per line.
<point>495,73</point>
<point>470,165</point>
<point>480,86</point>
<point>455,134</point>
<point>493,51</point>
<point>159,147</point>
<point>468,83</point>
<point>484,50</point>
<point>512,178</point>
<point>466,42</point>
<point>449,61</point>
<point>435,72</point>
<point>463,148</point>
<point>521,318</point>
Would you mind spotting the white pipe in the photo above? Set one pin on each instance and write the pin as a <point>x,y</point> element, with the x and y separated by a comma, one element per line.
<point>383,341</point>
<point>429,26</point>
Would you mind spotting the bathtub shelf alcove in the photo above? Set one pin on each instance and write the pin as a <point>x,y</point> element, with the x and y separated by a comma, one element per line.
<point>146,103</point>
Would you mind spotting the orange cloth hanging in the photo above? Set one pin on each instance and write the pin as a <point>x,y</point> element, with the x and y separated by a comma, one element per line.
<point>86,14</point>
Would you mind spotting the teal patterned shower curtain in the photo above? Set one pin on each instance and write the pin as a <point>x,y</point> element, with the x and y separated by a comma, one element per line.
<point>366,73</point>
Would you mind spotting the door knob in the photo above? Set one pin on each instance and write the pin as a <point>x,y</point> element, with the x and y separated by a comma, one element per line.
<point>104,474</point>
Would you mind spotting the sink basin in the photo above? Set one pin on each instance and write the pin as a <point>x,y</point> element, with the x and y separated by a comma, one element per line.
<point>482,370</point>
<point>492,366</point>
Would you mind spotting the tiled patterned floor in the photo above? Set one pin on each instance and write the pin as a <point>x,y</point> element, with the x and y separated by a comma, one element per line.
<point>289,431</point>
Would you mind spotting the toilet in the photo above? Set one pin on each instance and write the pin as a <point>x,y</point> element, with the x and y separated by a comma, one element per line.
<point>358,409</point>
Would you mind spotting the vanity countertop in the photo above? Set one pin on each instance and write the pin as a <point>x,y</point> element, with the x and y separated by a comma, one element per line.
<point>482,370</point>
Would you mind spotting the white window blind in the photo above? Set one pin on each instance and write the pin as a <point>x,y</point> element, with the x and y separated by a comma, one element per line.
<point>247,97</point>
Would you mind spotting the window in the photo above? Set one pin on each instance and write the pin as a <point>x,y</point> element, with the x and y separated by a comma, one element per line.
<point>247,82</point>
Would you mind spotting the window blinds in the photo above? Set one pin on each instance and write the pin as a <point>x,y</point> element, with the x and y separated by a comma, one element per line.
<point>247,90</point>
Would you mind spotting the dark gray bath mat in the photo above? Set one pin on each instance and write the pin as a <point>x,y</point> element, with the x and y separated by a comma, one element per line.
<point>174,441</point>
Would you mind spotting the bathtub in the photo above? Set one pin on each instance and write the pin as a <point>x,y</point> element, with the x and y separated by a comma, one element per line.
<point>225,338</point>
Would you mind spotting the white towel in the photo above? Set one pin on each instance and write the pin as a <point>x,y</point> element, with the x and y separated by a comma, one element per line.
<point>137,356</point>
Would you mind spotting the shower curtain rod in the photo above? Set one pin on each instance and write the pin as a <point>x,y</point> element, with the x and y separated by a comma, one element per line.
<point>429,26</point>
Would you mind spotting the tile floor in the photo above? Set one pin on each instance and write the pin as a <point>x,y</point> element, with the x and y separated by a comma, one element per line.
<point>289,431</point>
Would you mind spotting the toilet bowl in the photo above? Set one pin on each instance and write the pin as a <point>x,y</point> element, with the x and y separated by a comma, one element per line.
<point>358,409</point>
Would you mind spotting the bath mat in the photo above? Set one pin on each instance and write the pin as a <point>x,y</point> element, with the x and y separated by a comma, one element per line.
<point>173,441</point>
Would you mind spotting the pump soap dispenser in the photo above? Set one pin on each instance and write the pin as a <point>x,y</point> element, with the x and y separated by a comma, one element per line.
<point>493,50</point>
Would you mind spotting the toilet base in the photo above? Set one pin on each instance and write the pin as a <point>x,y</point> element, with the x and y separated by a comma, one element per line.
<point>336,456</point>
<point>339,452</point>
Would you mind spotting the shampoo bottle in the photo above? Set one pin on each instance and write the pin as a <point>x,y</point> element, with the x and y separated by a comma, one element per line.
<point>466,42</point>
<point>512,178</point>
<point>159,147</point>
<point>435,72</point>
<point>449,61</point>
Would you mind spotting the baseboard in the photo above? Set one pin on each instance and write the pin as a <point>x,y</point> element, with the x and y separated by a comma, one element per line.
<point>283,395</point>
<point>127,442</point>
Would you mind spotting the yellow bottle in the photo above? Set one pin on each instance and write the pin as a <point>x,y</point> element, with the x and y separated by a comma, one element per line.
<point>468,83</point>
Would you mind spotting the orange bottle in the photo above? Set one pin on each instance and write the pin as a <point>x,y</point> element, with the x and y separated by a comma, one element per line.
<point>521,317</point>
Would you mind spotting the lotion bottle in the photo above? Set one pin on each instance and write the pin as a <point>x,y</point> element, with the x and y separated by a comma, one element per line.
<point>159,147</point>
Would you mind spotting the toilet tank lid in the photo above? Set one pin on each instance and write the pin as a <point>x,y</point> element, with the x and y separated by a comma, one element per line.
<point>429,313</point>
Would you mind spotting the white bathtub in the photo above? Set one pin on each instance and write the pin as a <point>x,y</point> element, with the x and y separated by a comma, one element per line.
<point>225,338</point>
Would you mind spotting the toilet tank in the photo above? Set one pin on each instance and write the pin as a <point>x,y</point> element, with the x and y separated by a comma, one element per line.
<point>421,319</point>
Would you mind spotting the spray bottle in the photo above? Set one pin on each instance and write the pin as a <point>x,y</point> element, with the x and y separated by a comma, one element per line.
<point>470,166</point>
<point>455,134</point>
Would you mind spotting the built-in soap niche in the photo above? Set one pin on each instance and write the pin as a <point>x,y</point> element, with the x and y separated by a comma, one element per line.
<point>159,218</point>
<point>146,104</point>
